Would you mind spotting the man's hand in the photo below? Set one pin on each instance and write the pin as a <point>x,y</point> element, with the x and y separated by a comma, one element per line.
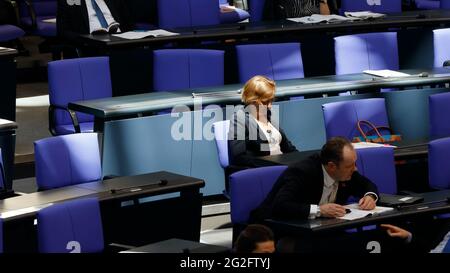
<point>324,9</point>
<point>395,231</point>
<point>367,203</point>
<point>332,210</point>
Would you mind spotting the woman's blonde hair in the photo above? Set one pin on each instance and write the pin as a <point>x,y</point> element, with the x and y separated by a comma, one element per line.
<point>258,90</point>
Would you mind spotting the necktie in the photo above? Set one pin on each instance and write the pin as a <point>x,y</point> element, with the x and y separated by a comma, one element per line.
<point>100,16</point>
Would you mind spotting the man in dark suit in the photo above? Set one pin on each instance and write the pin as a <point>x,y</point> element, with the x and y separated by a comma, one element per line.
<point>72,17</point>
<point>318,186</point>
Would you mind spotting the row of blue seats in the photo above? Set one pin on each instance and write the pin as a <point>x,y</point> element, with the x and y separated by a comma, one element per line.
<point>341,119</point>
<point>35,13</point>
<point>75,80</point>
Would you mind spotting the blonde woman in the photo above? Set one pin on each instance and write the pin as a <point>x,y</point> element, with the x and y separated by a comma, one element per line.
<point>252,132</point>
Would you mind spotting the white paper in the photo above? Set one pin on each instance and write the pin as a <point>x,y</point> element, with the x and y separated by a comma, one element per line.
<point>363,145</point>
<point>317,18</point>
<point>357,213</point>
<point>364,14</point>
<point>131,35</point>
<point>51,20</point>
<point>386,73</point>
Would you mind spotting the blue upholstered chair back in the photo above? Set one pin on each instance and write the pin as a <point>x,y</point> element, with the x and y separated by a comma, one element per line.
<point>438,158</point>
<point>72,224</point>
<point>234,16</point>
<point>445,4</point>
<point>43,9</point>
<point>74,80</point>
<point>187,13</point>
<point>1,235</point>
<point>248,188</point>
<point>276,61</point>
<point>441,40</point>
<point>439,113</point>
<point>67,160</point>
<point>175,69</point>
<point>2,171</point>
<point>10,32</point>
<point>371,161</point>
<point>366,51</point>
<point>428,4</point>
<point>256,9</point>
<point>380,6</point>
<point>341,117</point>
<point>221,129</point>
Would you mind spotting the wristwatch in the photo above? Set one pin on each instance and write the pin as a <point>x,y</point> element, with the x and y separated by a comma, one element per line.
<point>318,213</point>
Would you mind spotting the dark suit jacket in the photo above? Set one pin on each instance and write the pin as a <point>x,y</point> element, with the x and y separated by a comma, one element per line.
<point>302,185</point>
<point>73,20</point>
<point>273,10</point>
<point>245,152</point>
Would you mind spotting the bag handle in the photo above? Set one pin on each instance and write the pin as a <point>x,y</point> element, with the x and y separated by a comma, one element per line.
<point>373,128</point>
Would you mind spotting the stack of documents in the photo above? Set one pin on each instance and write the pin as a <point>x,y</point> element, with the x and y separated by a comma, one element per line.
<point>357,213</point>
<point>386,73</point>
<point>318,18</point>
<point>362,145</point>
<point>131,35</point>
<point>364,15</point>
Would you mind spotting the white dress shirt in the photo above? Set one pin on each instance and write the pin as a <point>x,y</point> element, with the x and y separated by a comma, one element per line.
<point>273,136</point>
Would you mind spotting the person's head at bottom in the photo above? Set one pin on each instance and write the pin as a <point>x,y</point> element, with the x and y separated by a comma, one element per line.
<point>255,239</point>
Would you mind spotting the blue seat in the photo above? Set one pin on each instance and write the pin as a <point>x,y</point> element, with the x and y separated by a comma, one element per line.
<point>248,188</point>
<point>73,226</point>
<point>74,80</point>
<point>221,129</point>
<point>445,4</point>
<point>380,6</point>
<point>441,39</point>
<point>187,13</point>
<point>439,112</point>
<point>10,33</point>
<point>366,51</point>
<point>34,12</point>
<point>2,172</point>
<point>67,160</point>
<point>194,68</point>
<point>256,9</point>
<point>428,4</point>
<point>231,16</point>
<point>276,61</point>
<point>371,160</point>
<point>1,235</point>
<point>438,158</point>
<point>341,117</point>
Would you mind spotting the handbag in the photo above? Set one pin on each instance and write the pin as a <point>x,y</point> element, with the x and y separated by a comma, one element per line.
<point>374,135</point>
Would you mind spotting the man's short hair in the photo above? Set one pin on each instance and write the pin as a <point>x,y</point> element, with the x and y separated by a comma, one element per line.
<point>252,235</point>
<point>332,151</point>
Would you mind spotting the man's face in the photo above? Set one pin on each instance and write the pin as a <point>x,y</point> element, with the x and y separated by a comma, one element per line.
<point>345,169</point>
<point>265,247</point>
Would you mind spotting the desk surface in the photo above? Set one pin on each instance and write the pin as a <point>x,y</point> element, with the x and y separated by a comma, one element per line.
<point>115,107</point>
<point>7,125</point>
<point>279,28</point>
<point>7,52</point>
<point>406,150</point>
<point>124,187</point>
<point>434,203</point>
<point>178,246</point>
